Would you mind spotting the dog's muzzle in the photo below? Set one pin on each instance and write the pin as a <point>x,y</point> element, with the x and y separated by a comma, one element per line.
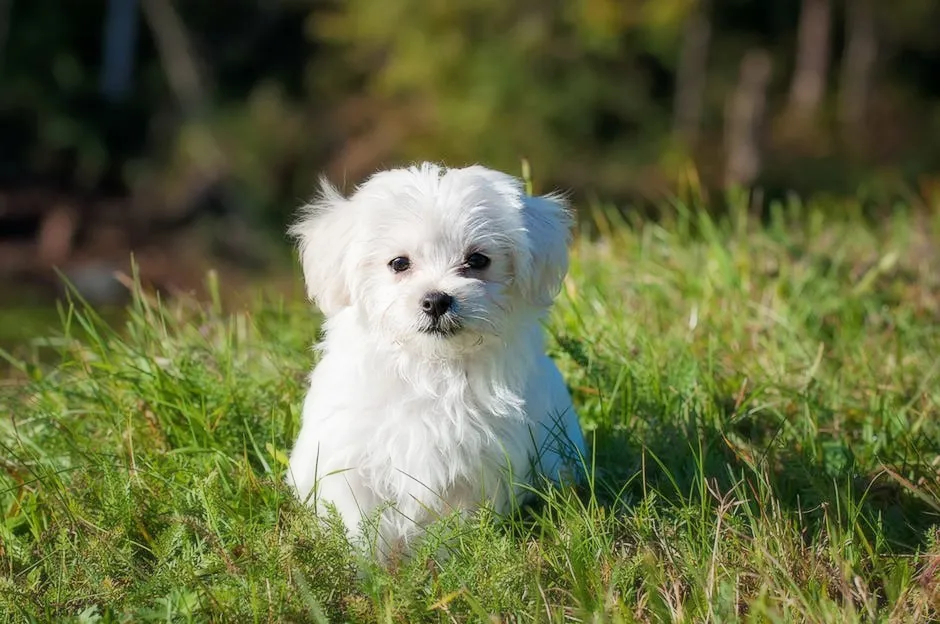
<point>436,304</point>
<point>438,309</point>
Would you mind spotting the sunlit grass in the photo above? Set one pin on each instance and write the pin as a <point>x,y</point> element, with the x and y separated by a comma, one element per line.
<point>762,400</point>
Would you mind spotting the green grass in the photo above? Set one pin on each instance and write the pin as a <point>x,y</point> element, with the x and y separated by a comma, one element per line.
<point>762,399</point>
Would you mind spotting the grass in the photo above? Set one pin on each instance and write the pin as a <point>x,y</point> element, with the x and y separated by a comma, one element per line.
<point>22,318</point>
<point>762,397</point>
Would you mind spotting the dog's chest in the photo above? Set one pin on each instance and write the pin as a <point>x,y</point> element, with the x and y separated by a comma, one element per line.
<point>439,438</point>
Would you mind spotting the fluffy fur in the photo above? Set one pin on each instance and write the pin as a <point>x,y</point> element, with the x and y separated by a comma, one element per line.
<point>410,415</point>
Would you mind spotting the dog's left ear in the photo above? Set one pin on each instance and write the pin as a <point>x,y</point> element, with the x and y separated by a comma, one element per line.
<point>324,234</point>
<point>544,262</point>
<point>540,248</point>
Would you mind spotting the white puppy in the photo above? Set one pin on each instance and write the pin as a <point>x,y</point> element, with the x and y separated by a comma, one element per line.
<point>434,392</point>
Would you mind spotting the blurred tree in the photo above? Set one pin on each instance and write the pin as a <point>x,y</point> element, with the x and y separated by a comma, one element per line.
<point>691,73</point>
<point>120,39</point>
<point>177,56</point>
<point>5,7</point>
<point>808,85</point>
<point>745,119</point>
<point>858,64</point>
<point>469,80</point>
<point>613,96</point>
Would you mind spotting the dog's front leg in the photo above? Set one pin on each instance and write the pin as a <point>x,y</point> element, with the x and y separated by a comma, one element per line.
<point>345,492</point>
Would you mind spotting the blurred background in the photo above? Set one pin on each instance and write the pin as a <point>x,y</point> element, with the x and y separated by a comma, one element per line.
<point>189,131</point>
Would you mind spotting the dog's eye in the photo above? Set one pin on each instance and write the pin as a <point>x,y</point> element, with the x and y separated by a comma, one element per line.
<point>399,264</point>
<point>477,261</point>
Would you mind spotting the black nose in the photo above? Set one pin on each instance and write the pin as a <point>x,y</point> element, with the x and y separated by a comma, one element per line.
<point>435,304</point>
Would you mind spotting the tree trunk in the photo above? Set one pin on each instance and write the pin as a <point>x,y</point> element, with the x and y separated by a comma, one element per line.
<point>812,59</point>
<point>6,7</point>
<point>691,73</point>
<point>858,65</point>
<point>174,45</point>
<point>744,120</point>
<point>177,55</point>
<point>120,41</point>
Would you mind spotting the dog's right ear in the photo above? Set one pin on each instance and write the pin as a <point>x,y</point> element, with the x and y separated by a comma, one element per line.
<point>324,233</point>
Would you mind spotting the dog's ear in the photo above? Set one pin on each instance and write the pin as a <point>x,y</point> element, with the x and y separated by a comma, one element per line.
<point>541,246</point>
<point>324,233</point>
<point>547,224</point>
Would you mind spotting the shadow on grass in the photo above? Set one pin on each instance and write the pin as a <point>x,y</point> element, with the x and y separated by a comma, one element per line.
<point>687,435</point>
<point>687,458</point>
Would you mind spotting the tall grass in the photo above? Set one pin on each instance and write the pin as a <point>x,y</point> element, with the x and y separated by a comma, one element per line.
<point>761,396</point>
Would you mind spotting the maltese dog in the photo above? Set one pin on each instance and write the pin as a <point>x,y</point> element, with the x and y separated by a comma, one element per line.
<point>433,393</point>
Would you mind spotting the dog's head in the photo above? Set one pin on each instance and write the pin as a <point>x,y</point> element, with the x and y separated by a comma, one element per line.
<point>434,256</point>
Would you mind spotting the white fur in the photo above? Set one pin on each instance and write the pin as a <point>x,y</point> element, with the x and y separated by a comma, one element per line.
<point>402,426</point>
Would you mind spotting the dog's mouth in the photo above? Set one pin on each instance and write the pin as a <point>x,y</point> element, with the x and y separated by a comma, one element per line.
<point>440,332</point>
<point>442,328</point>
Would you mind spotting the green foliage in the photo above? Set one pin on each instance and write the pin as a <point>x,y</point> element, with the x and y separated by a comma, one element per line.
<point>492,81</point>
<point>584,87</point>
<point>761,400</point>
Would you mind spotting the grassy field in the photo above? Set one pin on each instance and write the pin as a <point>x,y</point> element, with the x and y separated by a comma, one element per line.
<point>762,399</point>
